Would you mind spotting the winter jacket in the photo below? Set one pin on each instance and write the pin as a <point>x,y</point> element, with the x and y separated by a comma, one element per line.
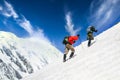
<point>72,39</point>
<point>91,29</point>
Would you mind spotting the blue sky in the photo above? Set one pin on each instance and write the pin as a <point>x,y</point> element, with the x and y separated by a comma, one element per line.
<point>51,20</point>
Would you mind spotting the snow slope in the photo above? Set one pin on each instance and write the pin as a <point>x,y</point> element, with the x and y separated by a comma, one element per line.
<point>101,61</point>
<point>20,57</point>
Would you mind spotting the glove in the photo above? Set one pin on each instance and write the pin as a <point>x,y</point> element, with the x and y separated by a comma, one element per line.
<point>74,41</point>
<point>78,35</point>
<point>96,30</point>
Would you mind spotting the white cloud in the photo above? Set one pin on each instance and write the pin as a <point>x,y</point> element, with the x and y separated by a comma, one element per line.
<point>8,11</point>
<point>25,24</point>
<point>1,8</point>
<point>104,12</point>
<point>39,35</point>
<point>69,25</point>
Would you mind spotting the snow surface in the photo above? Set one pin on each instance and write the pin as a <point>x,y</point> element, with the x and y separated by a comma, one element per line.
<point>101,61</point>
<point>20,57</point>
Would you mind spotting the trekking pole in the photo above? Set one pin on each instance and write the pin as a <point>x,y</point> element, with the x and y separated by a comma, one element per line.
<point>96,34</point>
<point>81,43</point>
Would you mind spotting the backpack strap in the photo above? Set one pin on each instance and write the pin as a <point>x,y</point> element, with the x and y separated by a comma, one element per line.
<point>65,40</point>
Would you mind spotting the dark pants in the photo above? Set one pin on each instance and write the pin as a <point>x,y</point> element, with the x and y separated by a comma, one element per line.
<point>90,37</point>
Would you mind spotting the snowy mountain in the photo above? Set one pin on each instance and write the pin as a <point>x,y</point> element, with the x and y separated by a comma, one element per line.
<point>20,57</point>
<point>100,61</point>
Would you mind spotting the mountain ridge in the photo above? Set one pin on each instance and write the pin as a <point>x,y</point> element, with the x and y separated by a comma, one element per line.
<point>23,56</point>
